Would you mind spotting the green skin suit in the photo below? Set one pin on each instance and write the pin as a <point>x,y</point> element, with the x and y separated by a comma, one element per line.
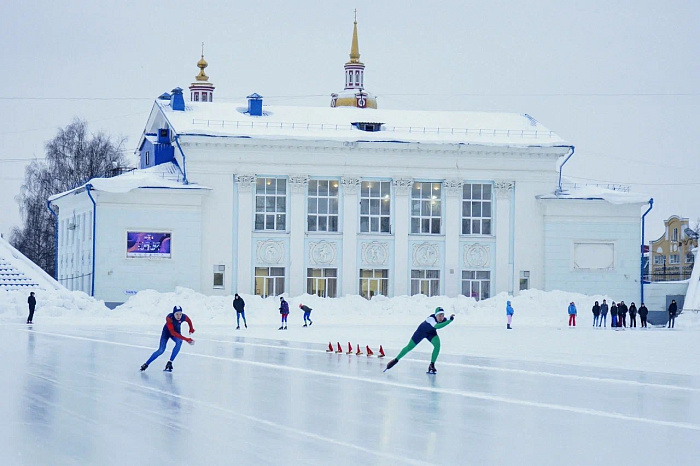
<point>427,329</point>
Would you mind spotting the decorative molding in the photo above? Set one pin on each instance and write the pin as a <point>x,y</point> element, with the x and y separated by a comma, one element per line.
<point>299,183</point>
<point>375,253</point>
<point>270,252</point>
<point>402,185</point>
<point>426,254</point>
<point>477,255</point>
<point>245,183</point>
<point>503,188</point>
<point>351,184</point>
<point>322,253</point>
<point>453,187</point>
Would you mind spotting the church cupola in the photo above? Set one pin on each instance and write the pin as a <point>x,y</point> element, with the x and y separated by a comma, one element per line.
<point>202,90</point>
<point>354,94</point>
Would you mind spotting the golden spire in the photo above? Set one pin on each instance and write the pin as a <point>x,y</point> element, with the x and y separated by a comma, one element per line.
<point>355,49</point>
<point>201,64</point>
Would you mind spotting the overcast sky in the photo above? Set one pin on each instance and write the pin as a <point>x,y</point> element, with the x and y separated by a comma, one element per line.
<point>619,82</point>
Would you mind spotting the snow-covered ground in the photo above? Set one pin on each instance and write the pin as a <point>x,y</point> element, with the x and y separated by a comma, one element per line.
<point>541,393</point>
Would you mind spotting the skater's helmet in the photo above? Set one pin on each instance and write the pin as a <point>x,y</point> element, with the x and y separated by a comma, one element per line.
<point>177,309</point>
<point>439,310</point>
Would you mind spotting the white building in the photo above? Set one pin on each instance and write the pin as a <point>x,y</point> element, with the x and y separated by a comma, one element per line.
<point>348,199</point>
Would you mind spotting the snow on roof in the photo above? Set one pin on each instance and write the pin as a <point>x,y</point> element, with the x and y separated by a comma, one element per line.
<point>166,175</point>
<point>612,196</point>
<point>326,123</point>
<point>17,272</point>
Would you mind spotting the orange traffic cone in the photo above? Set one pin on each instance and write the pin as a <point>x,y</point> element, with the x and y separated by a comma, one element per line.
<point>330,347</point>
<point>369,352</point>
<point>339,350</point>
<point>349,348</point>
<point>359,352</point>
<point>381,352</point>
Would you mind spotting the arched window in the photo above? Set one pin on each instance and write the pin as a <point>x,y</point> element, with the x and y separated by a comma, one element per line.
<point>196,96</point>
<point>204,96</point>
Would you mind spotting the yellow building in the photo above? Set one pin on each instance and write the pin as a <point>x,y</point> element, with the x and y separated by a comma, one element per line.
<point>670,256</point>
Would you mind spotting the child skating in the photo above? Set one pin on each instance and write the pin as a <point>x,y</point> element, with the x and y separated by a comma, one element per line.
<point>171,330</point>
<point>307,313</point>
<point>427,329</point>
<point>284,310</point>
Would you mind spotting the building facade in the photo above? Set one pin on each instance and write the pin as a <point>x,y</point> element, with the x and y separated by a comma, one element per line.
<point>671,256</point>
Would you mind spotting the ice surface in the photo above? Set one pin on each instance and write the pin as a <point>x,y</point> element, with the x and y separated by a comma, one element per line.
<point>73,394</point>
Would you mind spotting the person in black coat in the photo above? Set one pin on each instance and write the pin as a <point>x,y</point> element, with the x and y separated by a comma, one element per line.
<point>613,315</point>
<point>31,300</point>
<point>633,315</point>
<point>596,313</point>
<point>622,314</point>
<point>643,311</point>
<point>672,310</point>
<point>239,306</point>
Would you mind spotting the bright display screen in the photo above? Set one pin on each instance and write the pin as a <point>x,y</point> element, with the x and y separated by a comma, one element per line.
<point>147,244</point>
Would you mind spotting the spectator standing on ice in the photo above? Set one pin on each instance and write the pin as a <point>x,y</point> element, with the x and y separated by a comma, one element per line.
<point>572,314</point>
<point>672,310</point>
<point>171,330</point>
<point>643,311</point>
<point>633,315</point>
<point>596,313</point>
<point>622,314</point>
<point>509,313</point>
<point>307,313</point>
<point>613,315</point>
<point>239,306</point>
<point>31,301</point>
<point>284,310</point>
<point>603,313</point>
<point>427,329</point>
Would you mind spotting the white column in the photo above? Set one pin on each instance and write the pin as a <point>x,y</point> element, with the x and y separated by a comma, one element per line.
<point>401,229</point>
<point>503,281</point>
<point>297,227</point>
<point>453,228</point>
<point>350,278</point>
<point>243,231</point>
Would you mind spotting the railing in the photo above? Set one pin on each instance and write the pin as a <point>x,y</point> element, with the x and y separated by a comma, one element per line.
<point>671,274</point>
<point>614,187</point>
<point>521,133</point>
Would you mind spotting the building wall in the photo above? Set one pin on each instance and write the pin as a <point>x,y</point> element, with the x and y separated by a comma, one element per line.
<point>231,167</point>
<point>592,247</point>
<point>142,210</point>
<point>673,243</point>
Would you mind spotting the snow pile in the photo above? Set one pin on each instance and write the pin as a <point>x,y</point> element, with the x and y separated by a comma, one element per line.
<point>533,308</point>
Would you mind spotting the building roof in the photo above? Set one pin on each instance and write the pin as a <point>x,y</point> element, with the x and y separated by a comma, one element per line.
<point>612,196</point>
<point>336,124</point>
<point>166,175</point>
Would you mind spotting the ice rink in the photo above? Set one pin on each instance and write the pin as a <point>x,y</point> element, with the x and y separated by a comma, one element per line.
<point>75,396</point>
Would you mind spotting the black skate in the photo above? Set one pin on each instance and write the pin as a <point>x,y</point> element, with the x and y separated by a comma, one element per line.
<point>391,364</point>
<point>305,325</point>
<point>238,328</point>
<point>431,369</point>
<point>144,367</point>
<point>281,328</point>
<point>168,366</point>
<point>310,323</point>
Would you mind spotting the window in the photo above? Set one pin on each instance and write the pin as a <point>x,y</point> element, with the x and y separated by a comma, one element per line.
<point>269,281</point>
<point>323,205</point>
<point>659,260</point>
<point>148,158</point>
<point>425,282</point>
<point>196,96</point>
<point>524,280</point>
<point>270,203</point>
<point>476,209</point>
<point>675,234</point>
<point>426,210</point>
<point>219,276</point>
<point>322,282</point>
<point>204,96</point>
<point>674,259</point>
<point>476,284</point>
<point>689,258</point>
<point>374,282</point>
<point>375,207</point>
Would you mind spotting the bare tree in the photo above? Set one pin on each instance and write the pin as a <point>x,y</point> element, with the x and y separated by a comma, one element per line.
<point>72,158</point>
